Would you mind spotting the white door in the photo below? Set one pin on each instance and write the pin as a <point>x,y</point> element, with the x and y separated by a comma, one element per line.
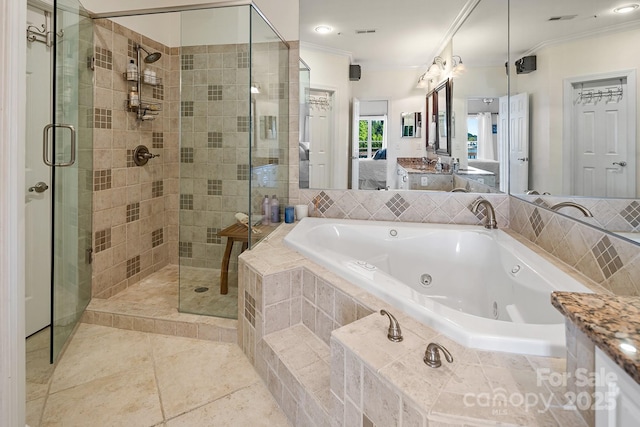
<point>37,204</point>
<point>355,144</point>
<point>320,132</point>
<point>604,165</point>
<point>503,143</point>
<point>519,143</point>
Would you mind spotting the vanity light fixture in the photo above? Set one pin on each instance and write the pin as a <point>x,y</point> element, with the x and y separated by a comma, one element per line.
<point>323,29</point>
<point>458,67</point>
<point>626,8</point>
<point>423,82</point>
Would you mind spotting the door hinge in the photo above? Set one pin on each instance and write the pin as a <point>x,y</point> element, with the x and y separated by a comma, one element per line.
<point>91,63</point>
<point>89,256</point>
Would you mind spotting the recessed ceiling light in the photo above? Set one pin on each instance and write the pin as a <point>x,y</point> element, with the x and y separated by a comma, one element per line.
<point>626,9</point>
<point>323,29</point>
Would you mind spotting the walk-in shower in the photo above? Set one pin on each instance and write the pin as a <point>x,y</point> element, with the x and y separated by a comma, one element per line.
<point>216,148</point>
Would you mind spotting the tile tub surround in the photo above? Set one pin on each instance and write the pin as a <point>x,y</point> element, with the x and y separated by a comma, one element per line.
<point>135,209</point>
<point>610,321</point>
<point>612,263</point>
<point>405,206</point>
<point>303,350</point>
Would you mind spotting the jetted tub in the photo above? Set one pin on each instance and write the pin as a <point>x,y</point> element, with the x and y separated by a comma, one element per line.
<point>482,288</point>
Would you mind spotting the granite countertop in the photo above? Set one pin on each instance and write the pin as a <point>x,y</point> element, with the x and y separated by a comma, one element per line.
<point>416,165</point>
<point>611,322</point>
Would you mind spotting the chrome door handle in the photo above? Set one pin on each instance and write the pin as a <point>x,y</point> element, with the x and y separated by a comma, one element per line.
<point>622,163</point>
<point>40,187</point>
<point>45,145</point>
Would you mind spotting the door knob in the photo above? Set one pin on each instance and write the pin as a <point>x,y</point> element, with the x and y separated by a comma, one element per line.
<point>40,187</point>
<point>622,163</point>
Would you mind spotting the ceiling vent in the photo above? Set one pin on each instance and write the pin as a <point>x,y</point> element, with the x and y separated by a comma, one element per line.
<point>562,18</point>
<point>365,31</point>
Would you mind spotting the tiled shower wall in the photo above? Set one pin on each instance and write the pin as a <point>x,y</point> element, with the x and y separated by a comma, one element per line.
<point>135,209</point>
<point>216,133</point>
<point>214,156</point>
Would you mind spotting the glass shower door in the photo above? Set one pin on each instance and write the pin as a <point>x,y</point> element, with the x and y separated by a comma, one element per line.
<point>68,144</point>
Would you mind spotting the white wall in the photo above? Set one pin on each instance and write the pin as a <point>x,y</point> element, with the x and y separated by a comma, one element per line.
<point>283,15</point>
<point>13,18</point>
<point>398,87</point>
<point>584,57</point>
<point>331,72</point>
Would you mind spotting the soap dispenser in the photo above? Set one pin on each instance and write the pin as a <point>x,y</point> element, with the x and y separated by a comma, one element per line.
<point>439,165</point>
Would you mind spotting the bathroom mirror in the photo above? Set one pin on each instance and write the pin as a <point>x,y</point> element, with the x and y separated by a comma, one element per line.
<point>393,49</point>
<point>411,125</point>
<point>442,111</point>
<point>582,101</point>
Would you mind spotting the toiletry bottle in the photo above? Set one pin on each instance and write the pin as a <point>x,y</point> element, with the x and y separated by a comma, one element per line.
<point>154,77</point>
<point>266,211</point>
<point>147,75</point>
<point>275,209</point>
<point>456,165</point>
<point>132,70</point>
<point>439,165</point>
<point>134,97</point>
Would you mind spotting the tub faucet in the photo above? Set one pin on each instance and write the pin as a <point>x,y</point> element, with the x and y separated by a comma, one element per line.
<point>586,212</point>
<point>394,334</point>
<point>491,214</point>
<point>432,357</point>
<point>459,190</point>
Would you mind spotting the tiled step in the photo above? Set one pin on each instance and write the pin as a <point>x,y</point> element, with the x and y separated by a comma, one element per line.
<point>166,321</point>
<point>298,374</point>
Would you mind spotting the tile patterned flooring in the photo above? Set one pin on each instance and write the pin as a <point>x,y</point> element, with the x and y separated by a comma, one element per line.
<point>117,377</point>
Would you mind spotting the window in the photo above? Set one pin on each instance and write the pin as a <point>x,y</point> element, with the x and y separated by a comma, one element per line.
<point>372,136</point>
<point>472,136</point>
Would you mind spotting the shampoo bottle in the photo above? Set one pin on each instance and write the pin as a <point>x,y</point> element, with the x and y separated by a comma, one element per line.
<point>275,209</point>
<point>266,211</point>
<point>134,97</point>
<point>132,71</point>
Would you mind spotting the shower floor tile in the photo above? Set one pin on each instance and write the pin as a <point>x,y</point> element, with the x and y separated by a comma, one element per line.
<point>160,380</point>
<point>161,292</point>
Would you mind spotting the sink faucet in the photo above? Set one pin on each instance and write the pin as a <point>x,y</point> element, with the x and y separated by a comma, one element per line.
<point>491,214</point>
<point>586,212</point>
<point>432,357</point>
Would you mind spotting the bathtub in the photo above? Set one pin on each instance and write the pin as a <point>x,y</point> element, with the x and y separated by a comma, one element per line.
<point>480,287</point>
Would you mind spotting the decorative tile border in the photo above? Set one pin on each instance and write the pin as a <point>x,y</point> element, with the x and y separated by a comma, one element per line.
<point>404,206</point>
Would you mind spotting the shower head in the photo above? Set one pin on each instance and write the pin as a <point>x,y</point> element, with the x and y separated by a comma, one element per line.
<point>151,57</point>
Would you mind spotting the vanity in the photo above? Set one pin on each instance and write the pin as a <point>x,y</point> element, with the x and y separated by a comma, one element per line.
<point>416,174</point>
<point>603,340</point>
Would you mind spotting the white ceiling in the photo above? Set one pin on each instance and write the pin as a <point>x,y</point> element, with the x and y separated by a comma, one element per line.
<point>409,32</point>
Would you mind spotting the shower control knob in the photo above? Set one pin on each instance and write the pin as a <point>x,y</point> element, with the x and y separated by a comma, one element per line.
<point>141,155</point>
<point>40,187</point>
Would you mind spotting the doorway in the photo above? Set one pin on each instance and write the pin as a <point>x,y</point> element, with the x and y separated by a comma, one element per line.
<point>321,131</point>
<point>601,133</point>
